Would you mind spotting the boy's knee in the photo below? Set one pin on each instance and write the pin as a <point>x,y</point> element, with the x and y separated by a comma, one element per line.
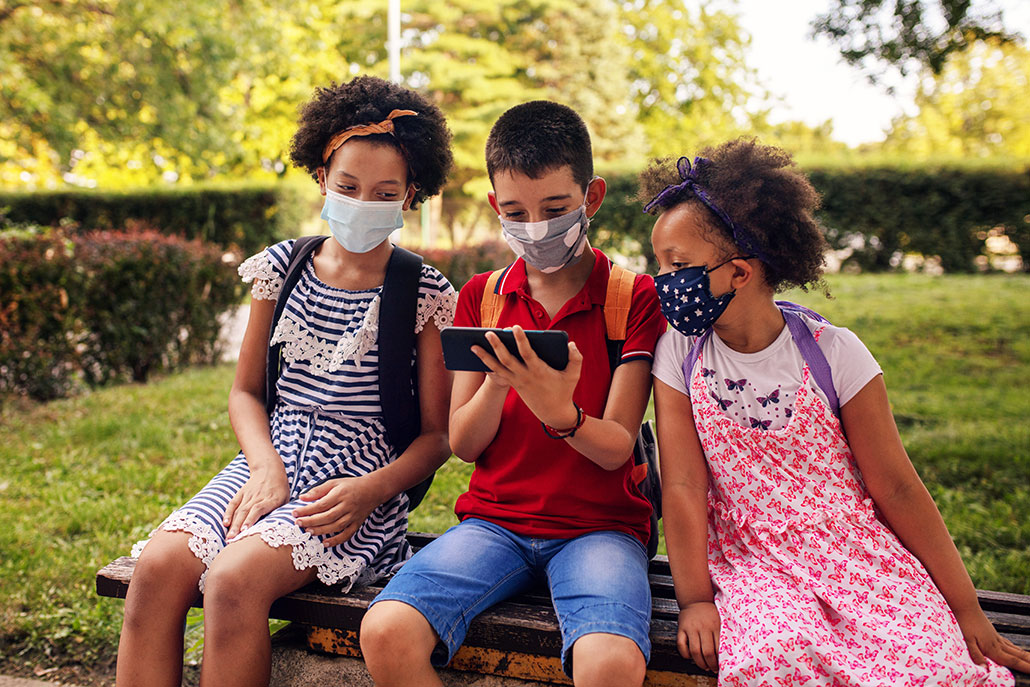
<point>603,659</point>
<point>394,633</point>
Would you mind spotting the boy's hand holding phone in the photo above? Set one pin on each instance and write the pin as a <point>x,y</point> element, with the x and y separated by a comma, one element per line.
<point>546,391</point>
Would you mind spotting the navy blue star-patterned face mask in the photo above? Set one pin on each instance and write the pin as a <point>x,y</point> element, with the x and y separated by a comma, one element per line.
<point>686,298</point>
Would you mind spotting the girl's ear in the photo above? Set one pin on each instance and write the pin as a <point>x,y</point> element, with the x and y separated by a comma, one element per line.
<point>409,196</point>
<point>320,173</point>
<point>744,272</point>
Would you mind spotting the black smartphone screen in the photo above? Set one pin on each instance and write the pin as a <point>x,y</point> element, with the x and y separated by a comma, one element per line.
<point>551,345</point>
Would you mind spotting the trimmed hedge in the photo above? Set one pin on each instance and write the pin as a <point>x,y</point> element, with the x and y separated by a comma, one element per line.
<point>944,212</point>
<point>107,306</point>
<point>244,217</point>
<point>38,318</point>
<point>878,211</point>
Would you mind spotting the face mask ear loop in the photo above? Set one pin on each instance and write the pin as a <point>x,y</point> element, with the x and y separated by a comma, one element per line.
<point>726,262</point>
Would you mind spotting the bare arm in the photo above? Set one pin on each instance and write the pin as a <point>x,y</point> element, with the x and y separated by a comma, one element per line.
<point>909,509</point>
<point>339,506</point>
<point>267,487</point>
<point>685,512</point>
<point>609,440</point>
<point>476,403</point>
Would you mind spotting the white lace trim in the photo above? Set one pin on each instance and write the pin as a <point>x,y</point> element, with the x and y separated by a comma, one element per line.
<point>205,543</point>
<point>440,306</point>
<point>308,552</point>
<point>267,282</point>
<point>325,356</point>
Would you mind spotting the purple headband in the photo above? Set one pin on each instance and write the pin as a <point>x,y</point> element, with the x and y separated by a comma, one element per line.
<point>689,181</point>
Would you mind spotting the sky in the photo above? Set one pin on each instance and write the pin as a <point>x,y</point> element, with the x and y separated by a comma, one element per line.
<point>814,82</point>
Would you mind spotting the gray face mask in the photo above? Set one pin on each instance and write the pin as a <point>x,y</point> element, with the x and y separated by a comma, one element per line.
<point>551,244</point>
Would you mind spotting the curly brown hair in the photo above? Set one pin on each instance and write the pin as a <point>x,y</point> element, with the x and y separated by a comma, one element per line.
<point>761,189</point>
<point>424,140</point>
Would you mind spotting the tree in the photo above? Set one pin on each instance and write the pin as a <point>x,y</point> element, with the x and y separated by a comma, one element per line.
<point>689,74</point>
<point>137,83</point>
<point>119,92</point>
<point>978,106</point>
<point>878,35</point>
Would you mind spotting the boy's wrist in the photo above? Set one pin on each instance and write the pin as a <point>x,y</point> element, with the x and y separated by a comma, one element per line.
<point>567,420</point>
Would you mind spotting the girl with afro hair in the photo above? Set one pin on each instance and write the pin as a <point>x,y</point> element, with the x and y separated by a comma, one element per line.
<point>804,548</point>
<point>317,491</point>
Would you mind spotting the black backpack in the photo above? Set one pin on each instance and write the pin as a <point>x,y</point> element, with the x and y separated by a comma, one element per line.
<point>398,379</point>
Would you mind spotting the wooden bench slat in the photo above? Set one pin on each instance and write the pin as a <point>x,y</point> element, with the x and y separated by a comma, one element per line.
<point>525,626</point>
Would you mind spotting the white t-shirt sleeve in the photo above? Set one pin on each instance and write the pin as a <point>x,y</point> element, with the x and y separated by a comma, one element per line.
<point>672,349</point>
<point>851,363</point>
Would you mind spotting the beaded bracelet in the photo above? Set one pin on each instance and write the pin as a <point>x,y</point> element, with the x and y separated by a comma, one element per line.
<point>566,433</point>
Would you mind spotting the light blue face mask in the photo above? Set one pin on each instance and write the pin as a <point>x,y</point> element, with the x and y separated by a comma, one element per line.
<point>551,244</point>
<point>361,225</point>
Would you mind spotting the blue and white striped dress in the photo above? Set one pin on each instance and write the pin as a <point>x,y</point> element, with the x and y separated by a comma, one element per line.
<point>327,423</point>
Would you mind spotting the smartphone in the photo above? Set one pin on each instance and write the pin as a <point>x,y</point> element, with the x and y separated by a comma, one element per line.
<point>551,345</point>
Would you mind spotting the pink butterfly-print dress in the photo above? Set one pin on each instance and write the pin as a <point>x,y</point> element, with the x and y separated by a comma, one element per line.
<point>812,589</point>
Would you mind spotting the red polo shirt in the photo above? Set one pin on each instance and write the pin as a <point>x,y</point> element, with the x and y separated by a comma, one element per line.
<point>528,482</point>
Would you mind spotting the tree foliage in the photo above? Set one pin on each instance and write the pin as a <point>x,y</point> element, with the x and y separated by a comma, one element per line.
<point>139,86</point>
<point>880,35</point>
<point>689,74</point>
<point>118,92</point>
<point>979,106</point>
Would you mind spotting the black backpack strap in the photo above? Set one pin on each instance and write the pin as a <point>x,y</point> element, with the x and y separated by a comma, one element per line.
<point>302,248</point>
<point>398,379</point>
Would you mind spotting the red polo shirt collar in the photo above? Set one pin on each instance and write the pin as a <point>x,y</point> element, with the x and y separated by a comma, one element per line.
<point>514,279</point>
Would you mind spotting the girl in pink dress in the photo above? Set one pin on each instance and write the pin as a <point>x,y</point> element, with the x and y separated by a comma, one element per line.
<point>804,548</point>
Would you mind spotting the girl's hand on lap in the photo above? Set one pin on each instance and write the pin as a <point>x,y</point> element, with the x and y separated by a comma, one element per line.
<point>337,507</point>
<point>546,391</point>
<point>698,635</point>
<point>262,493</point>
<point>983,641</point>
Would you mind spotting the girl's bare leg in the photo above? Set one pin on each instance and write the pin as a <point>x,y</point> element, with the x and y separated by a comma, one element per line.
<point>244,580</point>
<point>163,586</point>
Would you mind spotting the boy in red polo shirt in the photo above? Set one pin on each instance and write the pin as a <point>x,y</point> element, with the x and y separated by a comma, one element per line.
<point>551,497</point>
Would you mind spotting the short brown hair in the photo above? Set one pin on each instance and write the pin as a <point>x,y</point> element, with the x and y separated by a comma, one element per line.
<point>539,136</point>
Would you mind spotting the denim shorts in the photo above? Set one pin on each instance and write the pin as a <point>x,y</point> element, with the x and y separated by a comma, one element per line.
<point>598,583</point>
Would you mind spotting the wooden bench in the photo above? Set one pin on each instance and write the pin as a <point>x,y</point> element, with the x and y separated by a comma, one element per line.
<point>519,638</point>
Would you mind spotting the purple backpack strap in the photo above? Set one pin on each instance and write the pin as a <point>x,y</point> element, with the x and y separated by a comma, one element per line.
<point>695,353</point>
<point>813,355</point>
<point>803,339</point>
<point>794,307</point>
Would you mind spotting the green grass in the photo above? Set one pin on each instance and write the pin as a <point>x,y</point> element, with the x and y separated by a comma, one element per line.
<point>82,479</point>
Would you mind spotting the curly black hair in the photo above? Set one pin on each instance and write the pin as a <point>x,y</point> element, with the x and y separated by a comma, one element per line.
<point>425,140</point>
<point>539,136</point>
<point>760,188</point>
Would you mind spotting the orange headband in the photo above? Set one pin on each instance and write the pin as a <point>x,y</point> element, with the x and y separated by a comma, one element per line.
<point>383,127</point>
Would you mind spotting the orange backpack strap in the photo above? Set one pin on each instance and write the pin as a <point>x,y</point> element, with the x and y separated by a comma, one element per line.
<point>617,302</point>
<point>490,307</point>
